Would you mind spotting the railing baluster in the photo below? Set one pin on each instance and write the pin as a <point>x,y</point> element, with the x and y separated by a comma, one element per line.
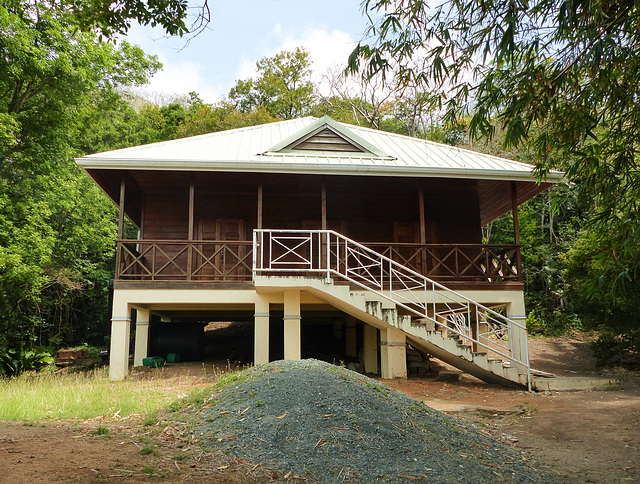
<point>153,262</point>
<point>328,242</point>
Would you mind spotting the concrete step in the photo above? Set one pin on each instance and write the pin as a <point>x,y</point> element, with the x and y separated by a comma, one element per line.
<point>577,383</point>
<point>426,329</point>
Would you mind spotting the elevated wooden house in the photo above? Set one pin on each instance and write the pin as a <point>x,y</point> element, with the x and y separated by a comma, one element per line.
<point>310,221</point>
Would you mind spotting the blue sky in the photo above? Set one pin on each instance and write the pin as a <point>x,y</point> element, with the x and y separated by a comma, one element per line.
<point>242,32</point>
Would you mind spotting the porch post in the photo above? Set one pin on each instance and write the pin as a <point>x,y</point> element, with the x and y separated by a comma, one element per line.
<point>393,354</point>
<point>423,221</point>
<point>191,216</point>
<point>121,207</point>
<point>120,224</point>
<point>516,226</point>
<point>141,349</point>
<point>261,332</point>
<point>324,240</point>
<point>324,206</point>
<point>292,344</point>
<point>120,333</point>
<point>259,219</point>
<point>423,231</point>
<point>191,207</point>
<point>370,334</point>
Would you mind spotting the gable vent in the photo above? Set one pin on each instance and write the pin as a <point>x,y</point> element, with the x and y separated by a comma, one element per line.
<point>326,140</point>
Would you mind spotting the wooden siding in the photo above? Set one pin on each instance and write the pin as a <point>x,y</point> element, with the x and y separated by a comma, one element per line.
<point>166,215</point>
<point>366,209</point>
<point>453,210</point>
<point>289,200</point>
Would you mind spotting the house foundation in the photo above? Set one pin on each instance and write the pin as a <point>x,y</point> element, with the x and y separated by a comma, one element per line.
<point>261,332</point>
<point>393,354</point>
<point>142,336</point>
<point>292,334</point>
<point>370,348</point>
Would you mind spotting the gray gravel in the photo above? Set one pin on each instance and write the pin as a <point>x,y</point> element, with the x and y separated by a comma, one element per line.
<point>312,420</point>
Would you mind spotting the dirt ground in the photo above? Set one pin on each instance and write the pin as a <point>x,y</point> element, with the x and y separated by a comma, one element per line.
<point>587,436</point>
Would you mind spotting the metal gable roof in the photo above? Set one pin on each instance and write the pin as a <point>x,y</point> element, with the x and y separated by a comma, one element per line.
<point>263,149</point>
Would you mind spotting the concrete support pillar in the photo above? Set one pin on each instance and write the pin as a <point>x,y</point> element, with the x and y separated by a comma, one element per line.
<point>261,332</point>
<point>141,349</point>
<point>292,340</point>
<point>370,336</point>
<point>483,329</point>
<point>351,348</point>
<point>120,333</point>
<point>393,354</point>
<point>518,336</point>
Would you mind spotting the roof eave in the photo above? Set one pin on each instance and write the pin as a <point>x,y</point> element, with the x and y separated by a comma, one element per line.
<point>97,163</point>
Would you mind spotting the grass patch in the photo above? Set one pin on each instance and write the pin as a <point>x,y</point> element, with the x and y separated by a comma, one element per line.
<point>200,396</point>
<point>101,431</point>
<point>77,395</point>
<point>148,450</point>
<point>85,395</point>
<point>194,399</point>
<point>151,418</point>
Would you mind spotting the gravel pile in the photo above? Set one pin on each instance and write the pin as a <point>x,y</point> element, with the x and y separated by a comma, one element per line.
<point>326,424</point>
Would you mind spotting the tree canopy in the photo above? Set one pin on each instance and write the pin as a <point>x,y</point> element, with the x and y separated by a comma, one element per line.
<point>111,17</point>
<point>283,86</point>
<point>561,77</point>
<point>56,228</point>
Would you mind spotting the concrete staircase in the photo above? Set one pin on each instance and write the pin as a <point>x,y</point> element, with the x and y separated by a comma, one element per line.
<point>425,334</point>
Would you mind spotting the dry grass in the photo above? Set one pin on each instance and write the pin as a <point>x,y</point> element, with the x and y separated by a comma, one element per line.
<point>88,395</point>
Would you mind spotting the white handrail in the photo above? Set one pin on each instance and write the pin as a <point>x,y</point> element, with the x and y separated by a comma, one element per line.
<point>301,251</point>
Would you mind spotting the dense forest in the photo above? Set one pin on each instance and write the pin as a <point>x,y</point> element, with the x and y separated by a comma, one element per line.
<point>64,94</point>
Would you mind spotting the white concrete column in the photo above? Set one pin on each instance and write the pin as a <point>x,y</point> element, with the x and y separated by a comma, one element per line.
<point>370,336</point>
<point>141,349</point>
<point>120,333</point>
<point>261,332</point>
<point>351,348</point>
<point>292,336</point>
<point>517,336</point>
<point>393,354</point>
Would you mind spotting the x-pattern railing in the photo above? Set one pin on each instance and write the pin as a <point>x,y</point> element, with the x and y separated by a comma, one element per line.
<point>459,262</point>
<point>336,256</point>
<point>155,260</point>
<point>363,267</point>
<point>295,250</point>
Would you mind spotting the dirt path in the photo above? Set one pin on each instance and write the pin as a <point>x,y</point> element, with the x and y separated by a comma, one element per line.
<point>590,436</point>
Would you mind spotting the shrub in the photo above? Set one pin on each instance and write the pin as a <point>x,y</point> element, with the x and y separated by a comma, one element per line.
<point>15,362</point>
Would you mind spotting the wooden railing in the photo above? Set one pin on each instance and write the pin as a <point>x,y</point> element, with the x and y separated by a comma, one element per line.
<point>456,262</point>
<point>177,260</point>
<point>230,261</point>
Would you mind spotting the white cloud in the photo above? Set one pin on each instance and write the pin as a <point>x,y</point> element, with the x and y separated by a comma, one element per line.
<point>211,67</point>
<point>246,68</point>
<point>327,50</point>
<point>183,76</point>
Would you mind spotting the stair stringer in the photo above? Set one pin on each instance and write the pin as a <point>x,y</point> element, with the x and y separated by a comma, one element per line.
<point>463,358</point>
<point>374,309</point>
